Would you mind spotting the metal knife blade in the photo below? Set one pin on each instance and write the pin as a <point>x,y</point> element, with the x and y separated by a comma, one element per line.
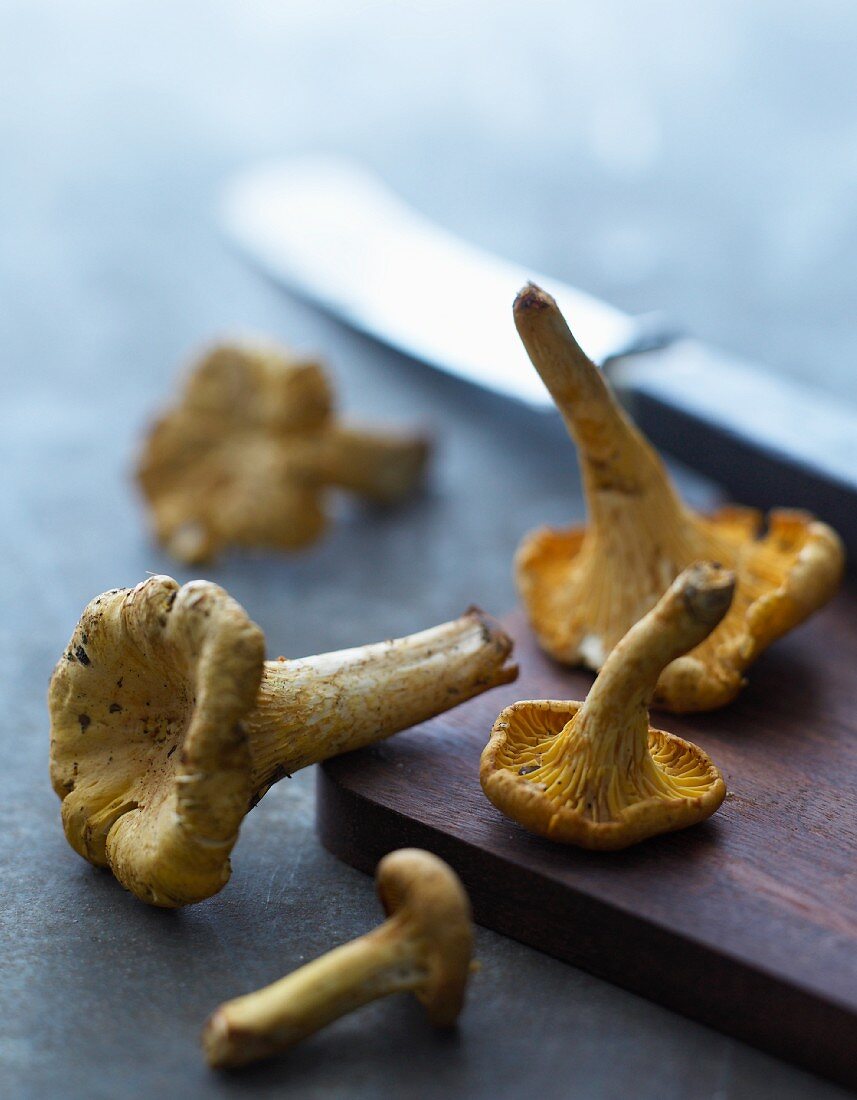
<point>335,234</point>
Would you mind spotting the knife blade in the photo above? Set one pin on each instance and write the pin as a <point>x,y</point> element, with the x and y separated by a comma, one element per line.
<point>335,234</point>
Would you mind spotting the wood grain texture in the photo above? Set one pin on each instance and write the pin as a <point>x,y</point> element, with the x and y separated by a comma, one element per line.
<point>747,922</point>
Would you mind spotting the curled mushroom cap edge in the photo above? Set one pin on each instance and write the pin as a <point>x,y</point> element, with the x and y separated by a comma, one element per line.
<point>584,587</point>
<point>167,724</point>
<point>595,773</point>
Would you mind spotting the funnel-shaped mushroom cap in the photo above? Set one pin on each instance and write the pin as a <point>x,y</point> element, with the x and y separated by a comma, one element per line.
<point>148,751</point>
<point>167,726</point>
<point>596,774</point>
<point>585,587</point>
<point>427,900</point>
<point>245,457</point>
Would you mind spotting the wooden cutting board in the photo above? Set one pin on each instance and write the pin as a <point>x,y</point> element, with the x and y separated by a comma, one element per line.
<point>747,922</point>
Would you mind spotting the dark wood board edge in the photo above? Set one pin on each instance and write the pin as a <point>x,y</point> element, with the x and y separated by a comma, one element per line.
<point>741,1001</point>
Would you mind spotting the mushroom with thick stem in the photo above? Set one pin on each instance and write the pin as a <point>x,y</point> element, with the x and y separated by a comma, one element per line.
<point>167,724</point>
<point>585,587</point>
<point>424,947</point>
<point>247,455</point>
<point>596,774</point>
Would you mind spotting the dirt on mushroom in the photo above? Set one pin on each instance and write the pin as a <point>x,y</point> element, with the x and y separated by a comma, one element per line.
<point>188,726</point>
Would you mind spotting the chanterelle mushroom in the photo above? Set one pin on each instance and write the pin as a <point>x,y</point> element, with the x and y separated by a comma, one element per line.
<point>596,773</point>
<point>584,587</point>
<point>424,947</point>
<point>167,724</point>
<point>246,456</point>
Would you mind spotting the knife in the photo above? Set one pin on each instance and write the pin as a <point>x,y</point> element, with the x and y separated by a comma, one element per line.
<point>335,234</point>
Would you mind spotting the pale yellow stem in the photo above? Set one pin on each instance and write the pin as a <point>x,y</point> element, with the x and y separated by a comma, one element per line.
<point>614,457</point>
<point>610,730</point>
<point>311,709</point>
<point>275,1018</point>
<point>686,614</point>
<point>383,466</point>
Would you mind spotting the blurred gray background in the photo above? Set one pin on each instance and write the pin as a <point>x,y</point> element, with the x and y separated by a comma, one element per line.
<point>699,158</point>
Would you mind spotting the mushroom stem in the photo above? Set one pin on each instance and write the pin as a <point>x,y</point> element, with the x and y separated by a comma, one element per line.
<point>311,709</point>
<point>614,456</point>
<point>424,946</point>
<point>380,465</point>
<point>603,751</point>
<point>685,615</point>
<point>281,1015</point>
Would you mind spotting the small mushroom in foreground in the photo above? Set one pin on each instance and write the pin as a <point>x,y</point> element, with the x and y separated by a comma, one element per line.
<point>596,774</point>
<point>167,724</point>
<point>585,587</point>
<point>247,455</point>
<point>424,947</point>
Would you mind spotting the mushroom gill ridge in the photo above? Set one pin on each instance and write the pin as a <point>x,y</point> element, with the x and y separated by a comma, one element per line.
<point>595,773</point>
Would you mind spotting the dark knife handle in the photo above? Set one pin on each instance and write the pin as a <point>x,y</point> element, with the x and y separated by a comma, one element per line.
<point>767,439</point>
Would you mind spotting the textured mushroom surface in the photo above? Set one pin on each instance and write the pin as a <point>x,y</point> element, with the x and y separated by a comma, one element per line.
<point>596,774</point>
<point>247,455</point>
<point>583,588</point>
<point>167,724</point>
<point>424,947</point>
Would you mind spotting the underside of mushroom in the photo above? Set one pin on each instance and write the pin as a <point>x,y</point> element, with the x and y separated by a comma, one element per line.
<point>585,587</point>
<point>596,774</point>
<point>167,724</point>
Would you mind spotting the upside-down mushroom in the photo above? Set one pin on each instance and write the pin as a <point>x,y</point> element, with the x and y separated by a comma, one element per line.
<point>585,587</point>
<point>167,724</point>
<point>424,947</point>
<point>596,774</point>
<point>246,456</point>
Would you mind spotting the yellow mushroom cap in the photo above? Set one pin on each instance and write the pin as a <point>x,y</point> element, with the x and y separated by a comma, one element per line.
<point>148,752</point>
<point>167,725</point>
<point>584,587</point>
<point>227,465</point>
<point>246,455</point>
<point>525,732</point>
<point>259,385</point>
<point>427,900</point>
<point>595,773</point>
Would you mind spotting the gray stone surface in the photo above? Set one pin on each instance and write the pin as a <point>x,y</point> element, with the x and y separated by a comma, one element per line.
<point>702,162</point>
